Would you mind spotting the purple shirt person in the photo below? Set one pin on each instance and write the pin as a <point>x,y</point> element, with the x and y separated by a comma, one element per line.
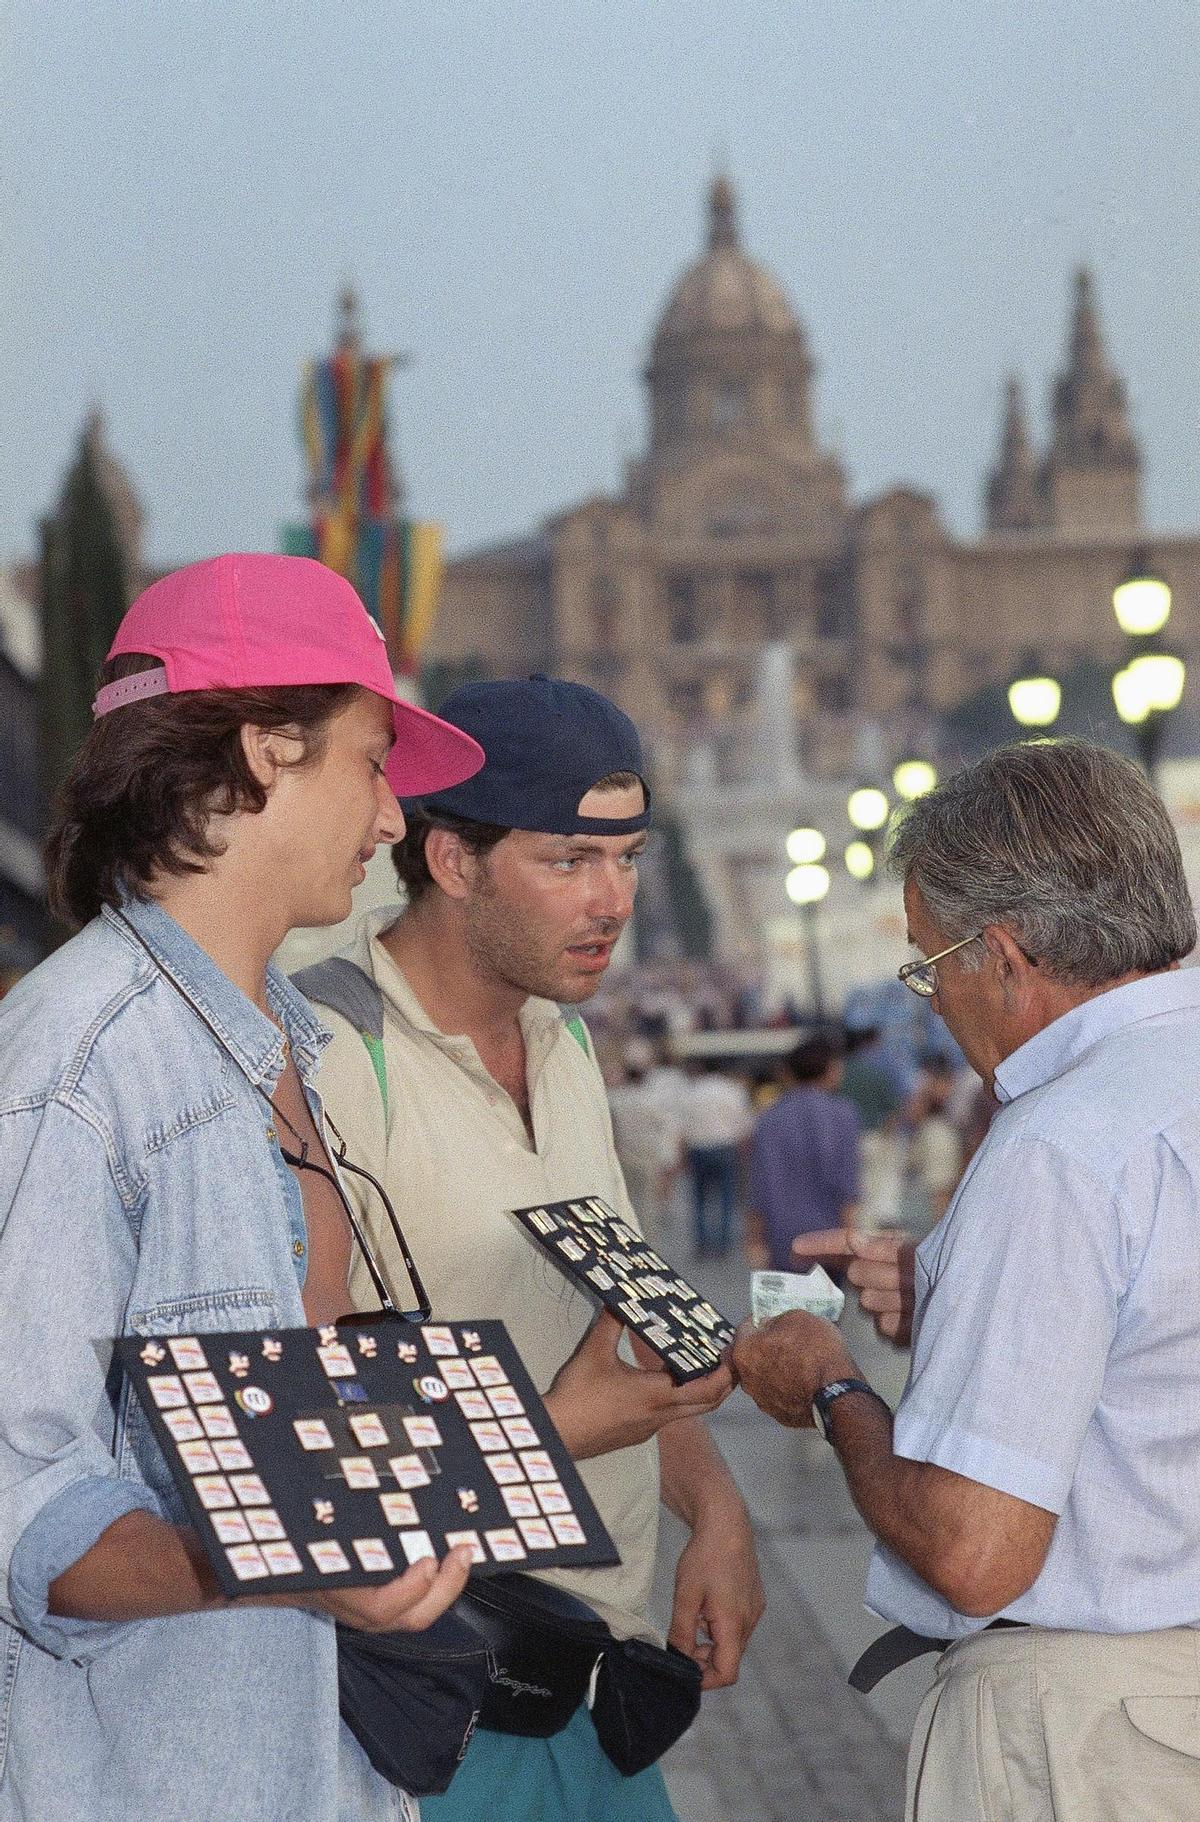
<point>803,1158</point>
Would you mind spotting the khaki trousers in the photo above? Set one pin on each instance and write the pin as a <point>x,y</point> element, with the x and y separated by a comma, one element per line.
<point>1029,1725</point>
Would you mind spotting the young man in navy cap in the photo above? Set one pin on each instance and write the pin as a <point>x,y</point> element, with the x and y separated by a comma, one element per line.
<point>474,1095</point>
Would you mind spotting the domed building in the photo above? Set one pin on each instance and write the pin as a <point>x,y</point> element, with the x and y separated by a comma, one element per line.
<point>764,628</point>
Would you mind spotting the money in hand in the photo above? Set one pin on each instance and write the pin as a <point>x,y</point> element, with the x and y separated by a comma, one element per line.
<point>773,1292</point>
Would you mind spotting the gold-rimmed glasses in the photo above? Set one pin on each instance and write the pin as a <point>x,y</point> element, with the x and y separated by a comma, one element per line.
<point>921,977</point>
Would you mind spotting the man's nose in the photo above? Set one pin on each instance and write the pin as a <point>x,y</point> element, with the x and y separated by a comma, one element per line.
<point>612,897</point>
<point>389,819</point>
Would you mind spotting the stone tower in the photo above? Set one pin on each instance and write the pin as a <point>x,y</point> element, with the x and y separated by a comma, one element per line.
<point>1011,498</point>
<point>1090,481</point>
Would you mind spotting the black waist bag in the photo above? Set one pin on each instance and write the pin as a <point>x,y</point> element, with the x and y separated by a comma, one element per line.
<point>412,1699</point>
<point>545,1647</point>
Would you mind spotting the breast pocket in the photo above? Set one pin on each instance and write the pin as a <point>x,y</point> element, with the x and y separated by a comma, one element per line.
<point>207,1313</point>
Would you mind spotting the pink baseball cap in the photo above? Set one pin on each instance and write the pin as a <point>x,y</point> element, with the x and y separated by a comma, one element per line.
<point>254,621</point>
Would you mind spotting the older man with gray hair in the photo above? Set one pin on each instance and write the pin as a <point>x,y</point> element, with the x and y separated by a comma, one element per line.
<point>1037,1497</point>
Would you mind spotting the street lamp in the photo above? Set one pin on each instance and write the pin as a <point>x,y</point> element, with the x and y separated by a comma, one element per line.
<point>868,808</point>
<point>860,860</point>
<point>913,778</point>
<point>1150,685</point>
<point>805,846</point>
<point>806,885</point>
<point>1034,697</point>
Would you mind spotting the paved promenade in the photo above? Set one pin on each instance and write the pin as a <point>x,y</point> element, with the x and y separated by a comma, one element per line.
<point>792,1742</point>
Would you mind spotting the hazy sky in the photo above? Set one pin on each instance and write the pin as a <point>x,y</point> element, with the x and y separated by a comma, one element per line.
<point>515,187</point>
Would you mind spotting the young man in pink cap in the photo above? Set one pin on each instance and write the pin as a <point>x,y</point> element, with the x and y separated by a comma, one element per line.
<point>157,1112</point>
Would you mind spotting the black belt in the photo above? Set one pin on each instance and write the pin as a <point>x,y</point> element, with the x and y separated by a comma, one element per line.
<point>900,1646</point>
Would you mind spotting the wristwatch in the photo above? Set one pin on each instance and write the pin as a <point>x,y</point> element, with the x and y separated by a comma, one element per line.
<point>824,1401</point>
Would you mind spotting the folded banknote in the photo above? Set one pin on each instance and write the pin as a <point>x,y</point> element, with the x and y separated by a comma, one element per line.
<point>773,1292</point>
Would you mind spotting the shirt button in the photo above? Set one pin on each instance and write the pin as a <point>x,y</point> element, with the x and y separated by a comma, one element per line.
<point>298,1248</point>
<point>272,1135</point>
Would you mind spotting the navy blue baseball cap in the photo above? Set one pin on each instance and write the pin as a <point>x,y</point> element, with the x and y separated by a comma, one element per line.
<point>546,743</point>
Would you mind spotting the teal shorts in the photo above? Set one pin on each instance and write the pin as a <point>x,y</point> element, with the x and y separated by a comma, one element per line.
<point>567,1778</point>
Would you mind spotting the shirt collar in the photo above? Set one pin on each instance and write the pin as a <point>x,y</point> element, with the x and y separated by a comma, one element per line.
<point>254,1040</point>
<point>1059,1045</point>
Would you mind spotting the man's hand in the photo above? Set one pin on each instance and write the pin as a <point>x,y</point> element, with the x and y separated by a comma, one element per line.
<point>879,1266</point>
<point>784,1363</point>
<point>598,1402</point>
<point>408,1604</point>
<point>718,1595</point>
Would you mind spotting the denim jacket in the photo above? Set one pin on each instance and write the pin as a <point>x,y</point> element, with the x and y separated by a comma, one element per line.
<point>142,1190</point>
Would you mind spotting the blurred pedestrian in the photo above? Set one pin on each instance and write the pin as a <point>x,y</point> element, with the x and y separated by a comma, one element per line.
<point>648,1140</point>
<point>804,1159</point>
<point>935,1152</point>
<point>716,1118</point>
<point>874,1089</point>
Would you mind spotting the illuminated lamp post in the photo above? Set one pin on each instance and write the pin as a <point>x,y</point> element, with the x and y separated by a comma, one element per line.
<point>913,778</point>
<point>806,885</point>
<point>1150,685</point>
<point>1034,697</point>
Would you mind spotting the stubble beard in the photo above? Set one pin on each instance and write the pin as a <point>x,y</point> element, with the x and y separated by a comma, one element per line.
<point>502,951</point>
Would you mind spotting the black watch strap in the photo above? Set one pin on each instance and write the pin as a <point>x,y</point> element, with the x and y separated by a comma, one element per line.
<point>828,1395</point>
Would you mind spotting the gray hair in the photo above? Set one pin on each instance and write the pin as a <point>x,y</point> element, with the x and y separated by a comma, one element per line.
<point>1066,844</point>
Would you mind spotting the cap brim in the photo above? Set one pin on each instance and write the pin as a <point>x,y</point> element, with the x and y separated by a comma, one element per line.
<point>429,754</point>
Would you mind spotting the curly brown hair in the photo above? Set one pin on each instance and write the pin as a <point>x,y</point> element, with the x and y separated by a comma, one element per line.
<point>150,776</point>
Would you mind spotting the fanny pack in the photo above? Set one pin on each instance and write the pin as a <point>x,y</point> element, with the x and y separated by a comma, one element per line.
<point>412,1699</point>
<point>549,1652</point>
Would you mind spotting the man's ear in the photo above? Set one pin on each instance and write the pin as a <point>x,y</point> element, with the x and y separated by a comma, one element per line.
<point>451,864</point>
<point>1016,972</point>
<point>267,751</point>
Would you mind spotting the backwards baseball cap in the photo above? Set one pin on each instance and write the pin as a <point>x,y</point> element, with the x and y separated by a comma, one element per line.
<point>255,621</point>
<point>547,743</point>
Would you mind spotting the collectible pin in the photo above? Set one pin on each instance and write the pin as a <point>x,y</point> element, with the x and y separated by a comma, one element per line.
<point>253,1399</point>
<point>313,1433</point>
<point>488,1371</point>
<point>281,1559</point>
<point>422,1432</point>
<point>373,1553</point>
<point>544,1223</point>
<point>368,1347</point>
<point>473,1405</point>
<point>399,1508</point>
<point>406,1352</point>
<point>567,1529</point>
<point>468,1499</point>
<point>166,1390</point>
<point>232,1455</point>
<point>537,1533</point>
<point>183,1425</point>
<point>231,1527</point>
<point>266,1526</point>
<point>478,1553</point>
<point>213,1491</point>
<point>521,1433</point>
<point>505,1545</point>
<point>416,1544</point>
<point>327,1335</point>
<point>358,1471</point>
<point>349,1391</point>
<point>538,1465</point>
<point>218,1420</point>
<point>430,1389</point>
<point>489,1436</point>
<point>471,1341</point>
<point>409,1470</point>
<point>247,1563</point>
<point>203,1388</point>
<point>239,1365</point>
<point>520,1502</point>
<point>152,1353</point>
<point>505,1469</point>
<point>457,1374</point>
<point>505,1402</point>
<point>552,1496</point>
<point>250,1490</point>
<point>336,1361</point>
<point>329,1557</point>
<point>199,1458</point>
<point>272,1349</point>
<point>368,1430</point>
<point>187,1354</point>
<point>439,1340</point>
<point>323,1511</point>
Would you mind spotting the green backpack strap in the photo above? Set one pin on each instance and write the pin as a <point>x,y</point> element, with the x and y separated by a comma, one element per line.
<point>349,990</point>
<point>579,1032</point>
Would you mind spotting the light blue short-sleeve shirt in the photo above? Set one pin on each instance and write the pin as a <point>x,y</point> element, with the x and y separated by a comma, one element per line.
<point>1056,1349</point>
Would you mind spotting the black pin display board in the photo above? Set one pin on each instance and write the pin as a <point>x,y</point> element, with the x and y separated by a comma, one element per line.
<point>335,1457</point>
<point>591,1243</point>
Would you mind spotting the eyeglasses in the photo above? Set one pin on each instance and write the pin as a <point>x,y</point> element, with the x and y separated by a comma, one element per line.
<point>424,1307</point>
<point>921,977</point>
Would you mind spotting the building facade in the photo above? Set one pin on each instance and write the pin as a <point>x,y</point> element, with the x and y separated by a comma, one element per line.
<point>736,528</point>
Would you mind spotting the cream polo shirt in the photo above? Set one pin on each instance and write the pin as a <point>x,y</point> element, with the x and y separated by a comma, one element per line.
<point>454,1156</point>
